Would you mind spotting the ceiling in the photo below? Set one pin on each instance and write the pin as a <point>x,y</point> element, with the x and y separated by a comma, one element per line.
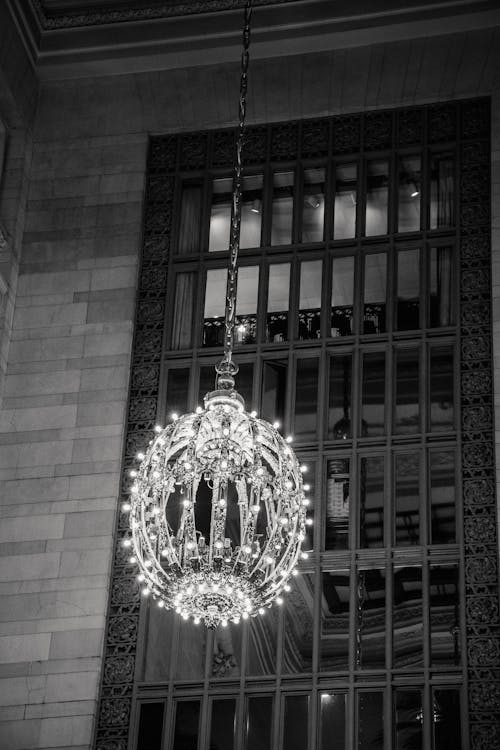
<point>74,38</point>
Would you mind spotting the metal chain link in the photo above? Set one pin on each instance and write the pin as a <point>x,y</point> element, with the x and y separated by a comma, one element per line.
<point>227,369</point>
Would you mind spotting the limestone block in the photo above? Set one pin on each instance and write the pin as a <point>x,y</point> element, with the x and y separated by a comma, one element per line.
<point>65,732</point>
<point>29,566</point>
<point>90,486</point>
<point>73,686</point>
<point>34,527</point>
<point>107,343</point>
<point>49,453</point>
<point>46,349</point>
<point>38,418</point>
<point>66,708</point>
<point>53,283</point>
<point>48,315</point>
<point>94,414</point>
<point>113,278</point>
<point>84,563</point>
<point>18,648</point>
<point>94,523</point>
<point>104,377</point>
<point>109,310</point>
<point>63,381</point>
<point>98,448</point>
<point>21,735</point>
<point>19,690</point>
<point>76,644</point>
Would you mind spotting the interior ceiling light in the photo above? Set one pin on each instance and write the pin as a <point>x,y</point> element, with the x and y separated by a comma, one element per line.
<point>217,508</point>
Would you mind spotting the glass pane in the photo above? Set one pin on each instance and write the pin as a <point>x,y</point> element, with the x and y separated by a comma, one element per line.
<point>407,411</point>
<point>215,298</point>
<point>444,615</point>
<point>374,310</point>
<point>337,504</point>
<point>409,194</point>
<point>373,398</point>
<point>408,305</point>
<point>371,619</point>
<point>443,511</point>
<point>306,398</point>
<point>311,273</point>
<point>187,718</point>
<point>441,388</point>
<point>278,302</point>
<point>332,720</point>
<point>409,719</point>
<point>274,380</point>
<point>296,724</point>
<point>341,321</point>
<point>313,212</point>
<point>190,652</point>
<point>182,324</point>
<point>339,403</point>
<point>446,719</point>
<point>298,625</point>
<point>442,208</point>
<point>220,213</point>
<point>346,196</point>
<point>377,192</point>
<point>259,723</point>
<point>158,650</point>
<point>407,620</point>
<point>223,724</point>
<point>177,391</point>
<point>262,643</point>
<point>226,657</point>
<point>190,221</point>
<point>150,726</point>
<point>283,189</point>
<point>334,645</point>
<point>370,721</point>
<point>407,499</point>
<point>371,505</point>
<point>441,287</point>
<point>245,331</point>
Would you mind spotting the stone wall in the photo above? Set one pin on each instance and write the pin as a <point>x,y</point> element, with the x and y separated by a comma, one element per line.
<point>64,399</point>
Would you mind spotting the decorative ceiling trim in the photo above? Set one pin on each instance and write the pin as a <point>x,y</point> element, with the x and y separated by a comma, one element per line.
<point>94,17</point>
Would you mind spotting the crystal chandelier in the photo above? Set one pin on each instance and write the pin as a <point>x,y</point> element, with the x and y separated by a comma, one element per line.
<point>218,509</point>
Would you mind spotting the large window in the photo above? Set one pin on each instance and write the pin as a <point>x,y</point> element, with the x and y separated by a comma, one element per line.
<point>347,335</point>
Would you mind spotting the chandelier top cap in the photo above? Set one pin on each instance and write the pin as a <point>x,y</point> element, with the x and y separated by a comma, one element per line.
<point>227,397</point>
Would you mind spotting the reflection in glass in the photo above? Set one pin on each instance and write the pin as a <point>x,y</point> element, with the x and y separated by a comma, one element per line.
<point>158,651</point>
<point>339,402</point>
<point>182,324</point>
<point>407,619</point>
<point>371,502</point>
<point>310,299</point>
<point>441,288</point>
<point>409,194</point>
<point>306,398</point>
<point>177,390</point>
<point>282,219</point>
<point>370,720</point>
<point>310,493</point>
<point>442,208</point>
<point>191,651</point>
<point>244,382</point>
<point>407,499</point>
<point>373,394</point>
<point>337,504</point>
<point>341,320</point>
<point>190,221</point>
<point>222,724</point>
<point>441,388</point>
<point>332,720</point>
<point>409,719</point>
<point>334,646</point>
<point>371,635</point>
<point>245,331</point>
<point>274,380</point>
<point>407,410</point>
<point>187,719</point>
<point>444,615</point>
<point>377,192</point>
<point>215,298</point>
<point>296,722</point>
<point>313,212</point>
<point>442,482</point>
<point>298,626</point>
<point>278,302</point>
<point>408,305</point>
<point>346,196</point>
<point>446,718</point>
<point>262,644</point>
<point>259,723</point>
<point>374,309</point>
<point>150,726</point>
<point>220,213</point>
<point>226,657</point>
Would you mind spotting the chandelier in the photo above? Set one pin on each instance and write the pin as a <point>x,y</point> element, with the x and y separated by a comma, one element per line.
<point>218,506</point>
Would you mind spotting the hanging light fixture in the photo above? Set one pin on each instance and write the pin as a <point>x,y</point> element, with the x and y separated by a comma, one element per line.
<point>217,509</point>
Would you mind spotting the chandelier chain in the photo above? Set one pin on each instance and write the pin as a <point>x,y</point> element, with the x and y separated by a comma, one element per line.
<point>226,366</point>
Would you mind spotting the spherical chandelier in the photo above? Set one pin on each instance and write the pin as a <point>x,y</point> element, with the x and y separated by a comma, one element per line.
<point>218,508</point>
